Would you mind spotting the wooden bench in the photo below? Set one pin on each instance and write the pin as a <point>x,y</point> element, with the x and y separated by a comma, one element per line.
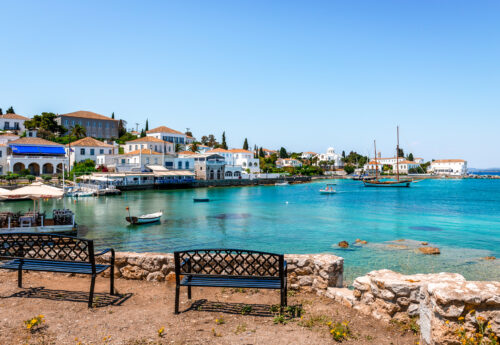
<point>53,253</point>
<point>229,268</point>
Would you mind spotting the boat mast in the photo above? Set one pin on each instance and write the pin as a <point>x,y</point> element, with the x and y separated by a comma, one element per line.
<point>376,164</point>
<point>397,155</point>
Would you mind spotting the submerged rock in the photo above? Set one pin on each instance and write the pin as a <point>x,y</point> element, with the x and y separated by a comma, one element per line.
<point>343,244</point>
<point>429,250</point>
<point>424,243</point>
<point>489,258</point>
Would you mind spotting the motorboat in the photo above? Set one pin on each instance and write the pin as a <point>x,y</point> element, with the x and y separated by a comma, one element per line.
<point>144,219</point>
<point>328,189</point>
<point>282,183</point>
<point>201,199</point>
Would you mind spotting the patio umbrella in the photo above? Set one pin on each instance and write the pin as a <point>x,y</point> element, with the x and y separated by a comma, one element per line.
<point>34,191</point>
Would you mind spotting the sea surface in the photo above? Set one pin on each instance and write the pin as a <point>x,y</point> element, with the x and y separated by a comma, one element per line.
<point>461,217</point>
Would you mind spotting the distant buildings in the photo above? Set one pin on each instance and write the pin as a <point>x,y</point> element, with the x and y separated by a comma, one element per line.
<point>12,122</point>
<point>308,155</point>
<point>240,158</point>
<point>288,162</point>
<point>151,143</point>
<point>168,134</point>
<point>454,167</point>
<point>331,158</point>
<point>209,166</point>
<point>37,155</point>
<point>96,125</point>
<point>88,148</point>
<point>403,164</point>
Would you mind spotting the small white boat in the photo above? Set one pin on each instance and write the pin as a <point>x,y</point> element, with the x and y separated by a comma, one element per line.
<point>283,183</point>
<point>145,218</point>
<point>328,189</point>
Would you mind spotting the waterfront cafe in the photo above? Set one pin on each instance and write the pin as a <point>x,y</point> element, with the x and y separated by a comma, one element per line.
<point>130,180</point>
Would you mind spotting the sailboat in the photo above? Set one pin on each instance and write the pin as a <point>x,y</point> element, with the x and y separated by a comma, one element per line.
<point>406,182</point>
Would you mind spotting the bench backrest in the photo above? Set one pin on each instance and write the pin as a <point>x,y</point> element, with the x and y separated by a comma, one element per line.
<point>46,246</point>
<point>229,262</point>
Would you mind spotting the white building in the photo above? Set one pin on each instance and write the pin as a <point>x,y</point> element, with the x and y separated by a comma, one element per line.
<point>405,166</point>
<point>372,166</point>
<point>88,148</point>
<point>37,155</point>
<point>138,160</point>
<point>234,172</point>
<point>6,137</point>
<point>392,160</point>
<point>288,162</point>
<point>454,167</point>
<point>149,143</point>
<point>331,158</point>
<point>168,134</point>
<point>12,122</point>
<point>308,155</point>
<point>239,157</point>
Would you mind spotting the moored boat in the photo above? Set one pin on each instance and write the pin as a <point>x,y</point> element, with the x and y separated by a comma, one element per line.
<point>144,219</point>
<point>328,189</point>
<point>201,199</point>
<point>282,183</point>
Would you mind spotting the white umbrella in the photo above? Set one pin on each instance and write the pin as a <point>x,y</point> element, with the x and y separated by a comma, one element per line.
<point>35,191</point>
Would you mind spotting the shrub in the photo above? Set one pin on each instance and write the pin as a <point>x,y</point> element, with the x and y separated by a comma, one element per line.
<point>339,331</point>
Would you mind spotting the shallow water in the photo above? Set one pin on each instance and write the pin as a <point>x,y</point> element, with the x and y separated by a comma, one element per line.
<point>461,217</point>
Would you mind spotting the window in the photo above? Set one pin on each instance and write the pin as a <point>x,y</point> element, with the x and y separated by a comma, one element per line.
<point>179,165</point>
<point>123,161</point>
<point>1,152</point>
<point>101,151</point>
<point>109,151</point>
<point>88,123</point>
<point>136,147</point>
<point>92,152</point>
<point>130,147</point>
<point>187,165</point>
<point>82,151</point>
<point>107,125</point>
<point>147,160</point>
<point>72,122</point>
<point>156,160</point>
<point>169,164</point>
<point>6,124</point>
<point>66,122</point>
<point>100,124</point>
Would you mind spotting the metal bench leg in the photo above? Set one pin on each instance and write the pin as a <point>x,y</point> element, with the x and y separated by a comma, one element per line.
<point>189,291</point>
<point>20,277</point>
<point>91,293</point>
<point>176,299</point>
<point>112,281</point>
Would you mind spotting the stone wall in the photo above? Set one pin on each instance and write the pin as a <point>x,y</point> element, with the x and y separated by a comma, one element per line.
<point>438,300</point>
<point>307,272</point>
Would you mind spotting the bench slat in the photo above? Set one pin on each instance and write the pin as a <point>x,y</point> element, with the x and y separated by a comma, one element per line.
<point>230,282</point>
<point>53,266</point>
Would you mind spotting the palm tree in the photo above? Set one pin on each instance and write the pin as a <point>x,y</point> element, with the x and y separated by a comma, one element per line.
<point>194,147</point>
<point>78,131</point>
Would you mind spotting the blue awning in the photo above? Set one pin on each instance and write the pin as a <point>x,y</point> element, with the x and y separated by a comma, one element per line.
<point>38,150</point>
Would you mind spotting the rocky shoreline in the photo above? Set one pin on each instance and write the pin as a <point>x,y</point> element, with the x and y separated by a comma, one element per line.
<point>439,303</point>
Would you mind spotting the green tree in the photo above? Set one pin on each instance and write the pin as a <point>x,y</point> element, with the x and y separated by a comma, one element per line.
<point>10,111</point>
<point>283,153</point>
<point>122,124</point>
<point>143,133</point>
<point>147,125</point>
<point>113,115</point>
<point>46,122</point>
<point>178,147</point>
<point>261,153</point>
<point>401,152</point>
<point>410,157</point>
<point>78,132</point>
<point>343,154</point>
<point>85,167</point>
<point>245,144</point>
<point>193,147</point>
<point>30,178</point>
<point>189,134</point>
<point>224,144</point>
<point>349,169</point>
<point>1,112</point>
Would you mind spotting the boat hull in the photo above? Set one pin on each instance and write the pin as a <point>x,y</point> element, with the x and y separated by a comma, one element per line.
<point>403,184</point>
<point>51,229</point>
<point>136,220</point>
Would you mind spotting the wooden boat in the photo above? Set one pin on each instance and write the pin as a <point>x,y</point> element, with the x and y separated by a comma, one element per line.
<point>388,183</point>
<point>144,219</point>
<point>201,199</point>
<point>328,189</point>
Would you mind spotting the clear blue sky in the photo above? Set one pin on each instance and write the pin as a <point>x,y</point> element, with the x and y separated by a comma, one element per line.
<point>301,74</point>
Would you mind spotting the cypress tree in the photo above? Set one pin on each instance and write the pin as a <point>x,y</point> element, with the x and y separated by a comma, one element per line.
<point>245,144</point>
<point>224,144</point>
<point>147,125</point>
<point>1,112</point>
<point>113,115</point>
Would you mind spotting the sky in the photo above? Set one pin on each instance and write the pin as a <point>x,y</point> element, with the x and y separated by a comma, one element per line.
<point>306,75</point>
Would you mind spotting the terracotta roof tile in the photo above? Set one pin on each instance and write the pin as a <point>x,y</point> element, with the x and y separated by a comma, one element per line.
<point>33,141</point>
<point>14,117</point>
<point>89,141</point>
<point>186,153</point>
<point>449,161</point>
<point>88,115</point>
<point>164,129</point>
<point>240,151</point>
<point>147,140</point>
<point>218,150</point>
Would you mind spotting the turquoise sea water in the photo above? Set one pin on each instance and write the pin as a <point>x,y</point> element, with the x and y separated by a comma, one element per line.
<point>461,217</point>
